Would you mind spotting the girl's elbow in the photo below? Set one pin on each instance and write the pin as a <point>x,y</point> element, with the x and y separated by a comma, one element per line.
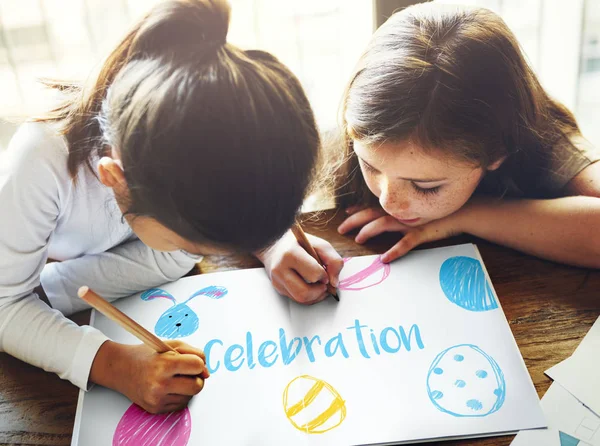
<point>174,265</point>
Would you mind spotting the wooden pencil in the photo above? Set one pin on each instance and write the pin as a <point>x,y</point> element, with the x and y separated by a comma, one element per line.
<point>116,315</point>
<point>304,243</point>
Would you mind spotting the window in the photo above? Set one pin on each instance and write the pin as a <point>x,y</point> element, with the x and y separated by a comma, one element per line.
<point>320,40</point>
<point>588,94</point>
<point>562,43</point>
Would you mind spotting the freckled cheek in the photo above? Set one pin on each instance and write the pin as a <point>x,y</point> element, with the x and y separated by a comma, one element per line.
<point>399,198</point>
<point>451,200</point>
<point>448,204</point>
<point>435,206</point>
<point>427,206</point>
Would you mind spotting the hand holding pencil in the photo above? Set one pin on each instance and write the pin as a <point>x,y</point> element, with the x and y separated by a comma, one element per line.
<point>306,245</point>
<point>302,267</point>
<point>162,378</point>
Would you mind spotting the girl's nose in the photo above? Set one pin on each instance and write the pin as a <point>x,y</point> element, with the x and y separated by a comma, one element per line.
<point>393,200</point>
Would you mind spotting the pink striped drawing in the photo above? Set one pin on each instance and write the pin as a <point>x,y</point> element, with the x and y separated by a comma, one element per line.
<point>140,428</point>
<point>358,280</point>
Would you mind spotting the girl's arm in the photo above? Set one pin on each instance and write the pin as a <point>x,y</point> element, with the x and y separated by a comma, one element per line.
<point>562,229</point>
<point>30,207</point>
<point>121,271</point>
<point>32,174</point>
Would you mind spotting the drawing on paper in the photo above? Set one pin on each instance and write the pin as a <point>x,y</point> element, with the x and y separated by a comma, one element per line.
<point>312,405</point>
<point>588,428</point>
<point>464,283</point>
<point>180,320</point>
<point>567,440</point>
<point>464,381</point>
<point>370,276</point>
<point>140,428</point>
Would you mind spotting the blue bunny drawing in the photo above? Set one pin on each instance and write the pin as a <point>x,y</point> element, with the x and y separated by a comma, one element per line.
<point>180,320</point>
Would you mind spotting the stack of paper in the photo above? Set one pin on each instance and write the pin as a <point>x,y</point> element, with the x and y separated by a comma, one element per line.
<point>572,403</point>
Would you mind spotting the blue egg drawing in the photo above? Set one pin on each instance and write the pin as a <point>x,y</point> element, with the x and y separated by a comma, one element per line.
<point>464,283</point>
<point>471,385</point>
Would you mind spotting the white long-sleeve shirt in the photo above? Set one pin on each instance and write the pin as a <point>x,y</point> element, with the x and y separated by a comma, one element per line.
<point>43,214</point>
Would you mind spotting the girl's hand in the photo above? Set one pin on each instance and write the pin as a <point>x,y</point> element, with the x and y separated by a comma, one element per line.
<point>375,221</point>
<point>157,382</point>
<point>295,274</point>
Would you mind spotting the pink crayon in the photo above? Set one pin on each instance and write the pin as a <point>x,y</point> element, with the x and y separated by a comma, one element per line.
<point>140,428</point>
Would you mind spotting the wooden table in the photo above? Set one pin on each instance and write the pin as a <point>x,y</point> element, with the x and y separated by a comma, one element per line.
<point>550,308</point>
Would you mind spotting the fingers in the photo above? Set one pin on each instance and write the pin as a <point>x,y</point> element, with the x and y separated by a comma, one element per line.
<point>429,232</point>
<point>162,382</point>
<point>170,403</point>
<point>408,242</point>
<point>360,218</point>
<point>376,227</point>
<point>296,274</point>
<point>179,403</point>
<point>329,256</point>
<point>185,385</point>
<point>294,257</point>
<point>182,347</point>
<point>296,288</point>
<point>353,209</point>
<point>306,276</point>
<point>308,268</point>
<point>169,388</point>
<point>191,361</point>
<point>159,398</point>
<point>191,365</point>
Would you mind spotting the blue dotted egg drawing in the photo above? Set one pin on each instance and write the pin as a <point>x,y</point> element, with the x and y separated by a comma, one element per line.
<point>180,320</point>
<point>464,283</point>
<point>464,381</point>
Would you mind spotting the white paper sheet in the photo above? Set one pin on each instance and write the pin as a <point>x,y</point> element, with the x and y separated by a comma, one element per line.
<point>580,373</point>
<point>414,351</point>
<point>570,422</point>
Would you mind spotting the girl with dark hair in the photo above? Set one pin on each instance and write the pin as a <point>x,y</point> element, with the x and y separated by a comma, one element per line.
<point>182,145</point>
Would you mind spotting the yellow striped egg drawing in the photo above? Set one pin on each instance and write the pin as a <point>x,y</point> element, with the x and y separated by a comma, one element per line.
<point>312,405</point>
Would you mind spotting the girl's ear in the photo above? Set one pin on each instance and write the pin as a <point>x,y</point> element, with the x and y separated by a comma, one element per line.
<point>496,163</point>
<point>111,173</point>
<point>157,293</point>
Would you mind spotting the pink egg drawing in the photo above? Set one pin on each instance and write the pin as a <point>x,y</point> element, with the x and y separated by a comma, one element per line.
<point>140,428</point>
<point>370,276</point>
